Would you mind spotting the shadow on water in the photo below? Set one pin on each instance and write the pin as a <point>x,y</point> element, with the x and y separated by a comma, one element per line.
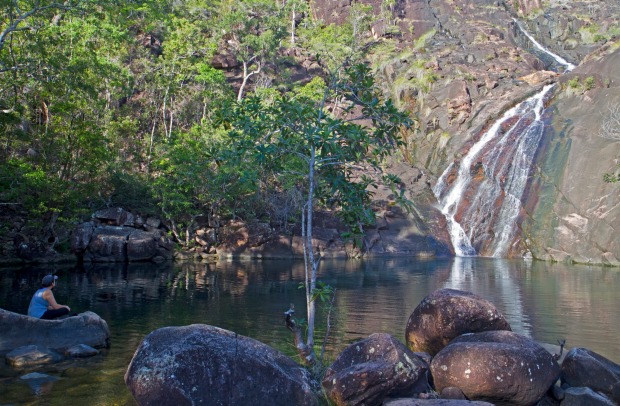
<point>544,301</point>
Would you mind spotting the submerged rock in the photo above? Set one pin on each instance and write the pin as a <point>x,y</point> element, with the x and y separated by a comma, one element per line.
<point>446,314</point>
<point>32,355</point>
<point>201,364</point>
<point>369,371</point>
<point>80,351</point>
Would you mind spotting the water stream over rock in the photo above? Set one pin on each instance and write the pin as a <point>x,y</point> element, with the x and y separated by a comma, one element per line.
<point>480,194</point>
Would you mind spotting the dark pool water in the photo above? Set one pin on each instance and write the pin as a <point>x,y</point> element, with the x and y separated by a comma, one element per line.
<point>544,301</point>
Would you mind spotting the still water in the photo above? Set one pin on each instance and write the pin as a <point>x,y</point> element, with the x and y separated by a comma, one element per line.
<point>544,301</point>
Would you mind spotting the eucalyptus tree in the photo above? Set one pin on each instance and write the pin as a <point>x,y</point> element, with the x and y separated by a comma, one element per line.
<point>297,141</point>
<point>253,31</point>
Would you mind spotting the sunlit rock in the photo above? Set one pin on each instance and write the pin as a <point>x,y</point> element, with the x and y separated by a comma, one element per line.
<point>446,314</point>
<point>496,366</point>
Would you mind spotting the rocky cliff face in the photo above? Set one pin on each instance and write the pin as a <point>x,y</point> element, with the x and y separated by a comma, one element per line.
<point>458,64</point>
<point>572,214</point>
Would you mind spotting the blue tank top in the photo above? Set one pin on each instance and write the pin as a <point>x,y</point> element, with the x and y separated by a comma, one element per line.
<point>38,305</point>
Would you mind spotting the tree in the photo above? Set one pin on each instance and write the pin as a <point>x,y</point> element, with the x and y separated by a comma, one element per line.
<point>253,31</point>
<point>296,138</point>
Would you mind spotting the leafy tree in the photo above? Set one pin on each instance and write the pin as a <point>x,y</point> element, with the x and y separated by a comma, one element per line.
<point>297,140</point>
<point>253,30</point>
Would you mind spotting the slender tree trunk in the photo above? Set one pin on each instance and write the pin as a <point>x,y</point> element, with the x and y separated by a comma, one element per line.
<point>163,112</point>
<point>246,76</point>
<point>313,263</point>
<point>293,27</point>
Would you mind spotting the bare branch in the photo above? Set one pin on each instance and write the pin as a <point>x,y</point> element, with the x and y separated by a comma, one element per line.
<point>610,127</point>
<point>23,16</point>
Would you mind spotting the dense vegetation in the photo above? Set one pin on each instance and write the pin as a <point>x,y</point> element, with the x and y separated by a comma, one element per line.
<point>110,103</point>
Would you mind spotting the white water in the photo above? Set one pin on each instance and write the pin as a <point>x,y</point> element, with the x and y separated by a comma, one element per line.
<point>568,66</point>
<point>504,179</point>
<point>507,177</point>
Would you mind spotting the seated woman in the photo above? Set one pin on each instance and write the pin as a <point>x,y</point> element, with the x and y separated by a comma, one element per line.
<point>43,304</point>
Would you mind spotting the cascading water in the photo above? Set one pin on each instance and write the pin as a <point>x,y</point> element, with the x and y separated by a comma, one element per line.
<point>567,65</point>
<point>481,195</point>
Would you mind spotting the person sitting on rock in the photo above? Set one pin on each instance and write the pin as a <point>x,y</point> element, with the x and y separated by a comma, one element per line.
<point>43,304</point>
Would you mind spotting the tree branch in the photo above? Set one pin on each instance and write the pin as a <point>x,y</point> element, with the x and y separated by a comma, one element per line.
<point>22,16</point>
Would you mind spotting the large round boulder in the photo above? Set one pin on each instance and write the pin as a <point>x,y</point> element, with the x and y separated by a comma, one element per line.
<point>19,330</point>
<point>583,367</point>
<point>500,367</point>
<point>206,365</point>
<point>370,370</point>
<point>446,314</point>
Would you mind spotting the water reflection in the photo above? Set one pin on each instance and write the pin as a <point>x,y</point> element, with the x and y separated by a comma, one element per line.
<point>498,285</point>
<point>545,301</point>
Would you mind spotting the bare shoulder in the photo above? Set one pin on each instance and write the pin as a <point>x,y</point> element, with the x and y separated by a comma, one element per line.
<point>47,294</point>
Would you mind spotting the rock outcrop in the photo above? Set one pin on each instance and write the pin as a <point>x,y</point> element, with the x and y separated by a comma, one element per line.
<point>200,364</point>
<point>19,330</point>
<point>116,235</point>
<point>572,215</point>
<point>501,367</point>
<point>446,314</point>
<point>370,370</point>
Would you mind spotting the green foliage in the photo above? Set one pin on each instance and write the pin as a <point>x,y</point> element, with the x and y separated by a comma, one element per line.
<point>313,90</point>
<point>119,103</point>
<point>421,42</point>
<point>612,177</point>
<point>295,138</point>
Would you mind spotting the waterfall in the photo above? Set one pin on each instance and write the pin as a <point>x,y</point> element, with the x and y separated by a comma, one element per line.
<point>567,65</point>
<point>480,195</point>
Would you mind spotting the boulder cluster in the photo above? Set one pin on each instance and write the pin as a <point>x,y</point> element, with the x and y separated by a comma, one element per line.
<point>459,350</point>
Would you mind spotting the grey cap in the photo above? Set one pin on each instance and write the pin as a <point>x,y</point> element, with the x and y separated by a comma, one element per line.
<point>48,280</point>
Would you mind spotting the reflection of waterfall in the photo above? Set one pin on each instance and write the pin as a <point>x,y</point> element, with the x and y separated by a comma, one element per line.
<point>480,195</point>
<point>499,287</point>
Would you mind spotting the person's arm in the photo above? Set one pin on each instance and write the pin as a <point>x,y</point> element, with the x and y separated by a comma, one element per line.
<point>49,296</point>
